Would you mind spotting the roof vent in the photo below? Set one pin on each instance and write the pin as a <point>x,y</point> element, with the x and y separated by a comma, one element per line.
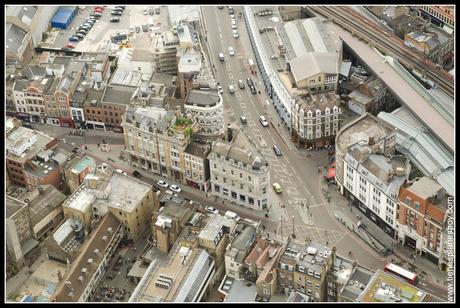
<point>80,278</point>
<point>84,270</point>
<point>110,230</point>
<point>104,238</point>
<point>90,261</point>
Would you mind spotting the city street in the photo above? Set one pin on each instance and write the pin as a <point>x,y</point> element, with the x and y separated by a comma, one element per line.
<point>292,170</point>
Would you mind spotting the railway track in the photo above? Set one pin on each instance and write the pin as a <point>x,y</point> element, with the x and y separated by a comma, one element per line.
<point>387,43</point>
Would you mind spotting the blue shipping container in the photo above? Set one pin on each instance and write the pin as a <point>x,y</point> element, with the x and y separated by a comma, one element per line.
<point>63,17</point>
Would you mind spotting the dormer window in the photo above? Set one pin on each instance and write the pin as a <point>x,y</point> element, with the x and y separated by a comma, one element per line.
<point>309,114</point>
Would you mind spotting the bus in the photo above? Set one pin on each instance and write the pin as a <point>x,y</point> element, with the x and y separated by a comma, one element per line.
<point>401,273</point>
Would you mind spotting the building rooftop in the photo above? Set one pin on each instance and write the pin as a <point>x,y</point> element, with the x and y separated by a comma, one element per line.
<point>178,13</point>
<point>318,102</point>
<point>118,94</point>
<point>93,97</point>
<point>386,288</point>
<point>178,278</point>
<point>189,60</point>
<point>13,205</point>
<point>198,149</point>
<point>214,226</point>
<point>238,290</point>
<point>42,201</point>
<point>424,188</point>
<point>240,150</point>
<point>23,13</point>
<point>26,143</point>
<point>78,164</point>
<point>356,283</point>
<point>85,265</point>
<point>422,148</point>
<point>32,71</point>
<point>202,98</point>
<point>312,256</point>
<point>150,118</point>
<point>14,38</point>
<point>366,126</point>
<point>297,297</point>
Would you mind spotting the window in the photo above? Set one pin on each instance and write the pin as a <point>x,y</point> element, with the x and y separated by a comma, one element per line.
<point>408,200</point>
<point>317,286</point>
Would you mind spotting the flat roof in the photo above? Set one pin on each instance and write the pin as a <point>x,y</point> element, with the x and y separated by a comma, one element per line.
<point>424,187</point>
<point>118,94</point>
<point>377,290</point>
<point>174,271</point>
<point>239,290</point>
<point>214,225</point>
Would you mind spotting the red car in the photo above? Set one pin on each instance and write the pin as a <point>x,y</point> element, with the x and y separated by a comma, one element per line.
<point>71,46</point>
<point>99,7</point>
<point>98,11</point>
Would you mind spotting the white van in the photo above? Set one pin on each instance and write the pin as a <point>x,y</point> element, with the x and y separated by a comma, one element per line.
<point>231,215</point>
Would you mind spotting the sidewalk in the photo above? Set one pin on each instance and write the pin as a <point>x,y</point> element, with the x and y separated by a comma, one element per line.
<point>428,270</point>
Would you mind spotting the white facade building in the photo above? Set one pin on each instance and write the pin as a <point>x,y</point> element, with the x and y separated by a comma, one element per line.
<point>373,182</point>
<point>207,106</point>
<point>239,175</point>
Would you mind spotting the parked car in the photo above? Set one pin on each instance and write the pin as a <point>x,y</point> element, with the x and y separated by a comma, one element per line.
<point>157,10</point>
<point>277,150</point>
<point>175,188</point>
<point>221,56</point>
<point>145,28</point>
<point>120,8</point>
<point>145,12</point>
<point>138,29</point>
<point>162,183</point>
<point>137,174</point>
<point>220,89</point>
<point>235,34</point>
<point>169,192</point>
<point>250,82</point>
<point>115,19</point>
<point>220,7</point>
<point>74,39</point>
<point>81,36</point>
<point>82,32</point>
<point>212,210</point>
<point>116,13</point>
<point>277,188</point>
<point>151,11</point>
<point>231,51</point>
<point>253,90</point>
<point>243,119</point>
<point>121,171</point>
<point>231,89</point>
<point>263,121</point>
<point>71,46</point>
<point>97,15</point>
<point>241,84</point>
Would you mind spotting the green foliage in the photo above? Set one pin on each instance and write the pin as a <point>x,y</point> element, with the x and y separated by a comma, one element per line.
<point>188,132</point>
<point>183,121</point>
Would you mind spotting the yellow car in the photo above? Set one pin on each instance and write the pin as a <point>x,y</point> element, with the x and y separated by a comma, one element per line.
<point>277,187</point>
